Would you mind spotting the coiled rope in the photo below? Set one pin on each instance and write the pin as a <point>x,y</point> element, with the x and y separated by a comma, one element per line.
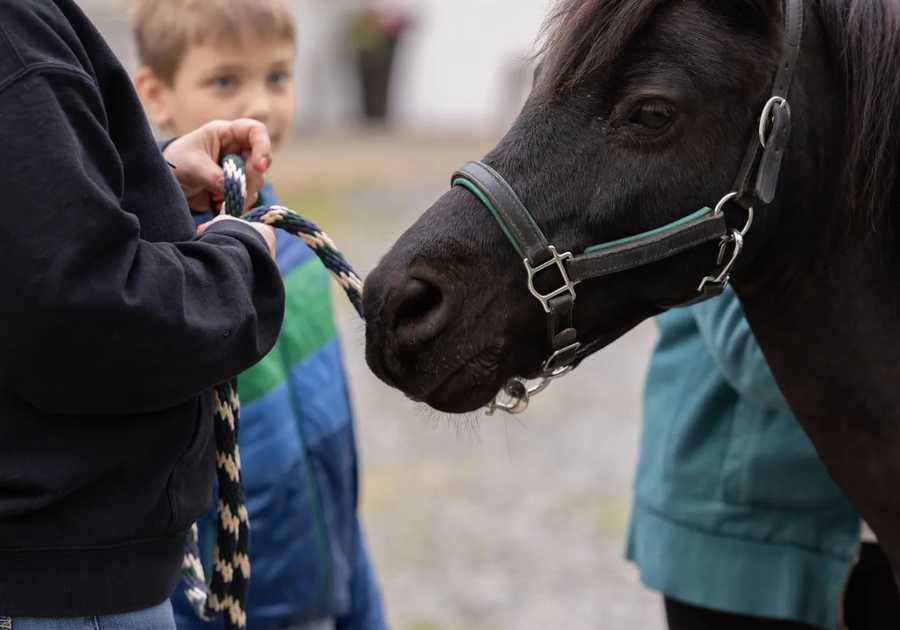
<point>226,590</point>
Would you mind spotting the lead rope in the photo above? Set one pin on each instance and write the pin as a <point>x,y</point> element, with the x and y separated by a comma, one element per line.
<point>227,589</point>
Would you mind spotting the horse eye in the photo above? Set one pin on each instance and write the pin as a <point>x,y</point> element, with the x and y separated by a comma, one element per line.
<point>655,115</point>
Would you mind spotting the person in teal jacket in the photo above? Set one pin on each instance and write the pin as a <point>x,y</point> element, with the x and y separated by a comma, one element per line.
<point>735,520</point>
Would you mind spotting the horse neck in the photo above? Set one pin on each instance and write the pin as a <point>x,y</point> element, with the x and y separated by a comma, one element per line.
<point>822,294</point>
<point>832,336</point>
<point>827,318</point>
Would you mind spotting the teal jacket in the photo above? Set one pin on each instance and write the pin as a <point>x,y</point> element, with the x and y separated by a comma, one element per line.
<point>733,509</point>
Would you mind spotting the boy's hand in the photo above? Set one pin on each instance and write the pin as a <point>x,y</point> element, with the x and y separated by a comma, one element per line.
<point>196,159</point>
<point>267,231</point>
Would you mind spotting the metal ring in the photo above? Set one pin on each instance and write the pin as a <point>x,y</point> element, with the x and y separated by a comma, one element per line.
<point>549,371</point>
<point>749,221</point>
<point>766,114</point>
<point>519,393</point>
<point>721,205</point>
<point>516,392</point>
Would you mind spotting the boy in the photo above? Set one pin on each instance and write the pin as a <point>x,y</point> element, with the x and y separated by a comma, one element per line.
<point>230,59</point>
<point>117,320</point>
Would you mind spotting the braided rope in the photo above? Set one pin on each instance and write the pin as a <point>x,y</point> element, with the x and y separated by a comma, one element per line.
<point>227,589</point>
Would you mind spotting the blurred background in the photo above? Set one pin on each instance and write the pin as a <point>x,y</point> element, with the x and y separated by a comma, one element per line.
<point>476,523</point>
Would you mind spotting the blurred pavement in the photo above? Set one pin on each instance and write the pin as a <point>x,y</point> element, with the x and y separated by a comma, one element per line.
<point>478,523</point>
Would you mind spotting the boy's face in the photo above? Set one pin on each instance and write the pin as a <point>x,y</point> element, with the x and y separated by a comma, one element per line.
<point>250,79</point>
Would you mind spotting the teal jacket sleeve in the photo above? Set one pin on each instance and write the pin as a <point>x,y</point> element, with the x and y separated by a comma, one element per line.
<point>729,340</point>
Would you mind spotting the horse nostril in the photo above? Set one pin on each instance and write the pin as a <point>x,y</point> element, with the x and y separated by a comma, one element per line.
<point>417,300</point>
<point>419,311</point>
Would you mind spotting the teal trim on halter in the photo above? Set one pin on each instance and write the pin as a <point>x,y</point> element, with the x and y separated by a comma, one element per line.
<point>472,188</point>
<point>660,230</point>
<point>475,190</point>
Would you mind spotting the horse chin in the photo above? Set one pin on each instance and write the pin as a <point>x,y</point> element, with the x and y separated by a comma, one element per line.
<point>458,396</point>
<point>469,387</point>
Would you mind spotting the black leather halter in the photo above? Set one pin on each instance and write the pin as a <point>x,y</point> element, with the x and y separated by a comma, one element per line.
<point>755,185</point>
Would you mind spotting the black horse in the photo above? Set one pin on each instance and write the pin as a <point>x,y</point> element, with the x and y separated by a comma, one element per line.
<point>642,113</point>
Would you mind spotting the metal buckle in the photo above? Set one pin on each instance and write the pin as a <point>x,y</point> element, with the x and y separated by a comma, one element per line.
<point>516,401</point>
<point>767,115</point>
<point>553,371</point>
<point>559,261</point>
<point>517,393</point>
<point>721,281</point>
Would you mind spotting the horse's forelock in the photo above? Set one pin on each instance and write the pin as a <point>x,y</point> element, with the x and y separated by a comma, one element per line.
<point>583,37</point>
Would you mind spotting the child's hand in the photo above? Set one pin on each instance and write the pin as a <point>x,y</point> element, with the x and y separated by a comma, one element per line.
<point>266,231</point>
<point>195,158</point>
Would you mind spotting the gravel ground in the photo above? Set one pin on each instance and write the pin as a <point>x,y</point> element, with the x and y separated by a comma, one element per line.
<point>478,523</point>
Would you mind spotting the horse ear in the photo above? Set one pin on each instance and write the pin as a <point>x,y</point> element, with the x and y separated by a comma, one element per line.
<point>538,70</point>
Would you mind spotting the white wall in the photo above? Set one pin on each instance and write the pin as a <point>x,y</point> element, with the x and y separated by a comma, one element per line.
<point>468,62</point>
<point>464,66</point>
<point>327,90</point>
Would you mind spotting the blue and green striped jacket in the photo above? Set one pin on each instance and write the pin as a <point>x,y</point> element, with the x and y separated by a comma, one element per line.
<point>298,455</point>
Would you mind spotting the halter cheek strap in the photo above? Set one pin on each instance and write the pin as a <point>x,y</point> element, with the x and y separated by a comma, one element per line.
<point>756,184</point>
<point>758,178</point>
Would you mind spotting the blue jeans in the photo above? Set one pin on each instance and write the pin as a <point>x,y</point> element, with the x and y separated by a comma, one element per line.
<point>156,618</point>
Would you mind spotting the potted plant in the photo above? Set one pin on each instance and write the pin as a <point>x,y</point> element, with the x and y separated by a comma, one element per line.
<point>374,34</point>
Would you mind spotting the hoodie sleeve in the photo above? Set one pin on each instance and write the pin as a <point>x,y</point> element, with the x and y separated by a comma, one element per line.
<point>97,320</point>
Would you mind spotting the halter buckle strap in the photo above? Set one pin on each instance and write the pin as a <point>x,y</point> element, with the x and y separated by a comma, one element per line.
<point>757,180</point>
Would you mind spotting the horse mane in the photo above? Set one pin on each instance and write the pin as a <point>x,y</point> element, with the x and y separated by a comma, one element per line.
<point>584,37</point>
<point>865,36</point>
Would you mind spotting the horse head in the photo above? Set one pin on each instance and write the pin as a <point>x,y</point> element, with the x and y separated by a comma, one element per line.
<point>749,143</point>
<point>640,117</point>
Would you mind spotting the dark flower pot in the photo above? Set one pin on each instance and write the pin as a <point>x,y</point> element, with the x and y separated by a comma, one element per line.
<point>374,66</point>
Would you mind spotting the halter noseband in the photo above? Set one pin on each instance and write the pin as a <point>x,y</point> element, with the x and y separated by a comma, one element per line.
<point>756,184</point>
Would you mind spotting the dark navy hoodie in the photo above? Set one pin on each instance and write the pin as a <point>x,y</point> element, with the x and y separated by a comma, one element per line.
<point>114,323</point>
